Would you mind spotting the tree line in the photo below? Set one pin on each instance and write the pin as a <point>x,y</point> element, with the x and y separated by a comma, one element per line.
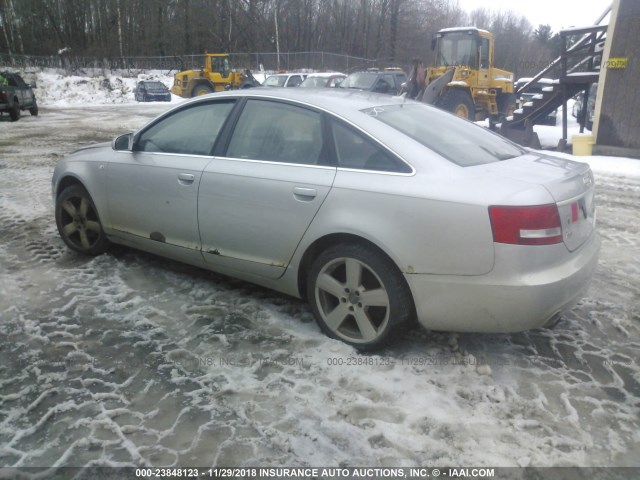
<point>392,31</point>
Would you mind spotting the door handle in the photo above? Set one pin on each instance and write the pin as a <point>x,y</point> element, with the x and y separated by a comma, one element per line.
<point>305,194</point>
<point>186,178</point>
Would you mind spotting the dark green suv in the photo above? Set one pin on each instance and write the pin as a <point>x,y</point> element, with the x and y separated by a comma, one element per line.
<point>16,95</point>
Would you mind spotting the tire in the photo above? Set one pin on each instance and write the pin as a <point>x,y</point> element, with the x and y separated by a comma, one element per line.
<point>361,312</point>
<point>34,109</point>
<point>507,104</point>
<point>78,222</point>
<point>14,113</point>
<point>458,102</point>
<point>200,90</point>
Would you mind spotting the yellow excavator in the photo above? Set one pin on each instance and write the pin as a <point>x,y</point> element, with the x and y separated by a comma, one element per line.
<point>215,75</point>
<point>464,80</point>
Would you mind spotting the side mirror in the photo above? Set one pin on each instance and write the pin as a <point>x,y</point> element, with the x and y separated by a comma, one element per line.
<point>123,143</point>
<point>434,41</point>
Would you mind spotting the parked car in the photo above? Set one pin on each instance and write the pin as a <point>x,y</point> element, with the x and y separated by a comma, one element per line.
<point>322,80</point>
<point>16,95</point>
<point>152,91</point>
<point>284,80</point>
<point>388,81</point>
<point>376,209</point>
<point>534,90</point>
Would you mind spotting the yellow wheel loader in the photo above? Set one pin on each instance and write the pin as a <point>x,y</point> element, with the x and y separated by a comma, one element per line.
<point>464,80</point>
<point>215,75</point>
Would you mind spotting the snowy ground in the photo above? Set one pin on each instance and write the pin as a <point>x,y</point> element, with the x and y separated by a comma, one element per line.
<point>131,359</point>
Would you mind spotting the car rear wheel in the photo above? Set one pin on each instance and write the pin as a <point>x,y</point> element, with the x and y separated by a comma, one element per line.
<point>14,113</point>
<point>78,222</point>
<point>358,295</point>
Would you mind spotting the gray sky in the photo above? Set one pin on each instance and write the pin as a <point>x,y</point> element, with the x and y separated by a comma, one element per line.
<point>557,13</point>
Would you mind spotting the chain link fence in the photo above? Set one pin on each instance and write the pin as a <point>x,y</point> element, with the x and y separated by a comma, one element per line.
<point>269,61</point>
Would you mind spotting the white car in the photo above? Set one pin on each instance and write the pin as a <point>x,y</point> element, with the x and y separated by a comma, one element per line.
<point>284,80</point>
<point>323,80</point>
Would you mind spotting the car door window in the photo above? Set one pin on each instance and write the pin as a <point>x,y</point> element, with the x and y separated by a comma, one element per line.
<point>295,81</point>
<point>191,131</point>
<point>277,132</point>
<point>384,84</point>
<point>354,150</point>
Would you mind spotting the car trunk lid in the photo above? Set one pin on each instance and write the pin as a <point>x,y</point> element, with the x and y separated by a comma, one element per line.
<point>570,184</point>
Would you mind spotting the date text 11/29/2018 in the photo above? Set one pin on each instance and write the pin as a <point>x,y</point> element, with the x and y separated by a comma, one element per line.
<point>318,473</point>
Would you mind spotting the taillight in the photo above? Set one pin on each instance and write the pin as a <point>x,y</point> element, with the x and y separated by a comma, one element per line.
<point>531,225</point>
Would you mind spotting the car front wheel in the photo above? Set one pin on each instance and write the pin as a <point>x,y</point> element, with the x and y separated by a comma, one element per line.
<point>34,109</point>
<point>358,295</point>
<point>78,222</point>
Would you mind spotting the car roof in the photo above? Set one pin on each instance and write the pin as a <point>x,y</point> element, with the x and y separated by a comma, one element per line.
<point>284,74</point>
<point>379,72</point>
<point>345,102</point>
<point>326,74</point>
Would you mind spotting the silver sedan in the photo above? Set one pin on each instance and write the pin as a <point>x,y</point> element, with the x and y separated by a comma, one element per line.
<point>375,209</point>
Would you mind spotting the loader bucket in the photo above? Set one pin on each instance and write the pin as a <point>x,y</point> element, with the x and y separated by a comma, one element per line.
<point>432,91</point>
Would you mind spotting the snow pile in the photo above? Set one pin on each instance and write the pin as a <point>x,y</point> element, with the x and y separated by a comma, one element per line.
<point>55,89</point>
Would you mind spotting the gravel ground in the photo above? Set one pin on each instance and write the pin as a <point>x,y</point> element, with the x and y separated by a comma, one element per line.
<point>130,359</point>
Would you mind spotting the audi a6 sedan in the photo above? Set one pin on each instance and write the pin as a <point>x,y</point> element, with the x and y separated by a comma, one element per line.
<point>377,210</point>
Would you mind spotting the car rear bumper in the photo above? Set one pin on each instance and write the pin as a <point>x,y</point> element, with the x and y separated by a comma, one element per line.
<point>519,294</point>
<point>157,97</point>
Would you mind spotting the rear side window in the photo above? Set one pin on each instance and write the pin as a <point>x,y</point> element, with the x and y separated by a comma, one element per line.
<point>385,84</point>
<point>191,131</point>
<point>457,140</point>
<point>294,81</point>
<point>354,150</point>
<point>277,132</point>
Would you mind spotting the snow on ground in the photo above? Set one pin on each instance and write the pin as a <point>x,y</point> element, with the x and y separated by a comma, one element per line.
<point>130,359</point>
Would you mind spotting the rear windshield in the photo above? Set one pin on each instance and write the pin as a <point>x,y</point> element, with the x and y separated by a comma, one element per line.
<point>314,82</point>
<point>360,80</point>
<point>275,81</point>
<point>457,140</point>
